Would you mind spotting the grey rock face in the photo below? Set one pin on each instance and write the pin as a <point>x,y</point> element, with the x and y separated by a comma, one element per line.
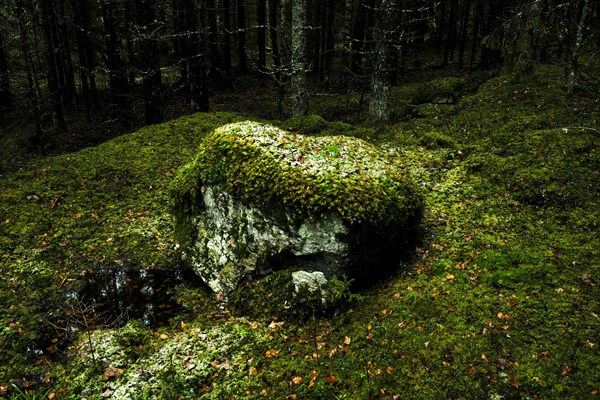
<point>234,241</point>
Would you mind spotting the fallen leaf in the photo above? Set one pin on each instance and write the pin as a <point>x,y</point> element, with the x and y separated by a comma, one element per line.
<point>164,336</point>
<point>331,379</point>
<point>274,325</point>
<point>272,353</point>
<point>503,316</point>
<point>297,380</point>
<point>252,371</point>
<point>470,369</point>
<point>347,340</point>
<point>112,373</point>
<point>566,371</point>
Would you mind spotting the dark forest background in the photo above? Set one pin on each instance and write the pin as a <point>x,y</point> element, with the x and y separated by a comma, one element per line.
<point>76,71</point>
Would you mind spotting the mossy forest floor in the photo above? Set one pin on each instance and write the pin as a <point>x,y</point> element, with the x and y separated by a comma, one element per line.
<point>501,300</point>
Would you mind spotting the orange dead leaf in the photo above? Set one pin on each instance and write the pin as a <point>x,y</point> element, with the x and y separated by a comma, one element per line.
<point>470,369</point>
<point>297,380</point>
<point>164,336</point>
<point>331,379</point>
<point>566,371</point>
<point>503,316</point>
<point>112,373</point>
<point>347,340</point>
<point>272,353</point>
<point>389,369</point>
<point>369,336</point>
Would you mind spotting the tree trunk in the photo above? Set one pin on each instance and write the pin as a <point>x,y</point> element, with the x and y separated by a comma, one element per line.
<point>226,32</point>
<point>581,26</point>
<point>241,37</point>
<point>262,41</point>
<point>526,45</point>
<point>149,62</point>
<point>197,69</point>
<point>70,89</point>
<point>33,90</point>
<point>475,37</point>
<point>379,105</point>
<point>48,21</point>
<point>117,78</point>
<point>82,53</point>
<point>299,89</point>
<point>5,93</point>
<point>451,36</point>
<point>462,43</point>
<point>273,12</point>
<point>347,37</point>
<point>215,55</point>
<point>360,36</point>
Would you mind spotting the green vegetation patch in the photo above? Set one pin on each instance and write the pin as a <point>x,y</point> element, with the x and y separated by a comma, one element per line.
<point>267,166</point>
<point>441,91</point>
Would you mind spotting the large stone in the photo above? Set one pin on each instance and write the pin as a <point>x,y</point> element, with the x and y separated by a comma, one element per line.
<point>259,199</point>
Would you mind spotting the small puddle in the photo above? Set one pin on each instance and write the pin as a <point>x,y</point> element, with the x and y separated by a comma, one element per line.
<point>110,296</point>
<point>116,294</point>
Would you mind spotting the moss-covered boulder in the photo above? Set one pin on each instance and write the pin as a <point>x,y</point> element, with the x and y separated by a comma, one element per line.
<point>258,199</point>
<point>439,91</point>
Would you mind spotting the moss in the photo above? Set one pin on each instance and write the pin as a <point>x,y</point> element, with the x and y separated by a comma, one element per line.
<point>443,91</point>
<point>274,297</point>
<point>435,140</point>
<point>305,125</point>
<point>269,167</point>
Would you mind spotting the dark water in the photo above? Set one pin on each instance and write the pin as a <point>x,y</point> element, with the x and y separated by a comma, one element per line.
<point>116,294</point>
<point>109,297</point>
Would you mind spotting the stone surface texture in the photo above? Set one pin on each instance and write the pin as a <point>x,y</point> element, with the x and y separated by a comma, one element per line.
<point>258,199</point>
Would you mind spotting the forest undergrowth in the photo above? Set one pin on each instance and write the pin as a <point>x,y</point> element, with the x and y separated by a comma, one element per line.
<point>500,301</point>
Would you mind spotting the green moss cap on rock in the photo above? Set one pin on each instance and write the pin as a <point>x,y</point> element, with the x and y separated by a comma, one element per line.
<point>267,166</point>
